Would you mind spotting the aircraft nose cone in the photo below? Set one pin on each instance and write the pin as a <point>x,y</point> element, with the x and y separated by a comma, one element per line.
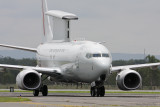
<point>103,65</point>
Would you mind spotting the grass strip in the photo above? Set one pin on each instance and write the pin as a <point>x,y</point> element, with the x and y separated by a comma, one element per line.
<point>69,91</point>
<point>15,91</point>
<point>132,92</point>
<point>107,92</point>
<point>13,99</point>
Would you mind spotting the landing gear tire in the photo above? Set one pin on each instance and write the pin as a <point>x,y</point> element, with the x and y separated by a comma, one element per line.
<point>45,90</point>
<point>93,91</point>
<point>102,91</point>
<point>98,92</point>
<point>35,92</point>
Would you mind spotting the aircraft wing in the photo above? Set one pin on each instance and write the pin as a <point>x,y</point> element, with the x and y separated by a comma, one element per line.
<point>43,70</point>
<point>19,47</point>
<point>120,68</point>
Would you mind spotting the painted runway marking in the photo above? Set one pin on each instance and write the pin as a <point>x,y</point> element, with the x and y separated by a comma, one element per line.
<point>57,105</point>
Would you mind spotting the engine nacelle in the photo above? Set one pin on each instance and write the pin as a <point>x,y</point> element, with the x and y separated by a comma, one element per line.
<point>28,79</point>
<point>128,80</point>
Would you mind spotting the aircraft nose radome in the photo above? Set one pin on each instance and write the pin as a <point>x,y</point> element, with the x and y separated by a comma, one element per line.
<point>103,65</point>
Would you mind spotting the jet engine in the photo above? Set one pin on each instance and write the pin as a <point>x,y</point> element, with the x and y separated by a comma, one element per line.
<point>28,79</point>
<point>128,80</point>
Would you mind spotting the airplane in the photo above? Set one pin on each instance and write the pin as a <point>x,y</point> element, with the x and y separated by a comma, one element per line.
<point>64,60</point>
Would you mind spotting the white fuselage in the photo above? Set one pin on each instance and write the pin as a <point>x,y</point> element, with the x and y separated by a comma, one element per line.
<point>80,61</point>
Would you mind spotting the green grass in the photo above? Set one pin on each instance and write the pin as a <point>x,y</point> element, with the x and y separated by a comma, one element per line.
<point>108,92</point>
<point>69,91</point>
<point>15,91</point>
<point>132,92</point>
<point>13,99</point>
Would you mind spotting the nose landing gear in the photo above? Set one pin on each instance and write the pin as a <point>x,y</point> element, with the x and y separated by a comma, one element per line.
<point>97,89</point>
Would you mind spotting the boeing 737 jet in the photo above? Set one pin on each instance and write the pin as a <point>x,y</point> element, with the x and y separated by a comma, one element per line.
<point>63,60</point>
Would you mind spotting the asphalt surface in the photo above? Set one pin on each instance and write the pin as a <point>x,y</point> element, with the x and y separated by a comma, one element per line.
<point>84,100</point>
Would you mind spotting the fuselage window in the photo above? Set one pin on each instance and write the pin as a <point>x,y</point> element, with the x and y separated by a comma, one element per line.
<point>105,55</point>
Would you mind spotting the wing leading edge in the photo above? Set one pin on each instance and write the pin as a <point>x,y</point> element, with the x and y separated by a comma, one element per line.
<point>43,70</point>
<point>120,68</point>
<point>19,47</point>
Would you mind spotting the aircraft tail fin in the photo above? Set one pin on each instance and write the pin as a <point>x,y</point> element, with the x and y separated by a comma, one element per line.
<point>60,27</point>
<point>47,32</point>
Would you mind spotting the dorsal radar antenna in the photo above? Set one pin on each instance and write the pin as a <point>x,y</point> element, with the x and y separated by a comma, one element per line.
<point>61,24</point>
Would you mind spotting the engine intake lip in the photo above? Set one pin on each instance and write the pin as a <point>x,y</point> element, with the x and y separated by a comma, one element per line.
<point>32,81</point>
<point>132,81</point>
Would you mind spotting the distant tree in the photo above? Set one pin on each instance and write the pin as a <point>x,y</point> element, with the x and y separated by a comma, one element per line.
<point>151,59</point>
<point>151,77</point>
<point>9,76</point>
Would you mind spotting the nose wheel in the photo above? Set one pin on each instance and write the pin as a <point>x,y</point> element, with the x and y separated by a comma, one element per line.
<point>102,91</point>
<point>97,91</point>
<point>93,91</point>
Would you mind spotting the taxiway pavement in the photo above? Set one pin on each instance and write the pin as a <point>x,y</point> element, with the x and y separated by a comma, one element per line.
<point>84,100</point>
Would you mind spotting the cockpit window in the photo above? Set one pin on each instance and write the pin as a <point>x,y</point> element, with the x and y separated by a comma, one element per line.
<point>96,55</point>
<point>105,55</point>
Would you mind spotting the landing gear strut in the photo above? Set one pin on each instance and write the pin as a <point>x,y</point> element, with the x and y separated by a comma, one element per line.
<point>43,89</point>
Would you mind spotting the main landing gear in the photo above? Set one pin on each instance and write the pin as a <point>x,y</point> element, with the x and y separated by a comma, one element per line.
<point>97,90</point>
<point>43,89</point>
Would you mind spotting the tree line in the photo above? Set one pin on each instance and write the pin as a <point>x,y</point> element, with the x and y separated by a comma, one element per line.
<point>150,77</point>
<point>9,76</point>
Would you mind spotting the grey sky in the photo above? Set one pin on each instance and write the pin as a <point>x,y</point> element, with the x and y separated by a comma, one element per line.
<point>127,26</point>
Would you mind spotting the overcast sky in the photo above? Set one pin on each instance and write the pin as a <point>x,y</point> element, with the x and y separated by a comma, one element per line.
<point>127,26</point>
